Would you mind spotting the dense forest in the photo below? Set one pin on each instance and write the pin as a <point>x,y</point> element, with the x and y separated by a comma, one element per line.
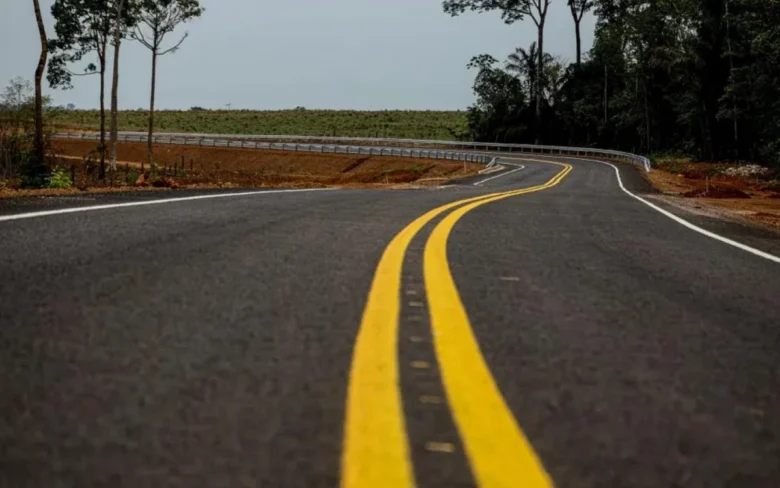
<point>695,77</point>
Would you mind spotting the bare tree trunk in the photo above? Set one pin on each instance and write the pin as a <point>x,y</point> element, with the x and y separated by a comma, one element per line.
<point>540,69</point>
<point>40,149</point>
<point>115,83</point>
<point>102,147</point>
<point>647,120</point>
<point>606,93</point>
<point>578,35</point>
<point>706,132</point>
<point>540,78</point>
<point>731,63</point>
<point>150,146</point>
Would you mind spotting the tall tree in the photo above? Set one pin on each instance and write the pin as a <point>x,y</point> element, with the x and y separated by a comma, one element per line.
<point>537,10</point>
<point>730,53</point>
<point>39,165</point>
<point>497,114</point>
<point>157,19</point>
<point>119,21</point>
<point>82,27</point>
<point>696,77</point>
<point>578,9</point>
<point>512,11</point>
<point>525,64</point>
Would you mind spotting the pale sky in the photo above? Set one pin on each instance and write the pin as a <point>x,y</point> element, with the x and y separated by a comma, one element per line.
<point>336,54</point>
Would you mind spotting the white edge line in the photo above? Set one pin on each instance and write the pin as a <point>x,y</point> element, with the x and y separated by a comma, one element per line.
<point>491,170</point>
<point>684,222</point>
<point>519,168</point>
<point>45,213</point>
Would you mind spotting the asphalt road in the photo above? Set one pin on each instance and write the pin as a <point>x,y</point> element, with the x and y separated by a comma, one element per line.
<point>564,334</point>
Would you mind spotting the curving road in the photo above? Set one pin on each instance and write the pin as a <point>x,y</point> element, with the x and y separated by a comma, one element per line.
<point>541,328</point>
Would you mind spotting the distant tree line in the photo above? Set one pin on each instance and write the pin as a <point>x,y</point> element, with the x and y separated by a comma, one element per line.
<point>700,77</point>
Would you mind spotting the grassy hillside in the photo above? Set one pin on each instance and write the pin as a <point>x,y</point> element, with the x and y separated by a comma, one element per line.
<point>396,124</point>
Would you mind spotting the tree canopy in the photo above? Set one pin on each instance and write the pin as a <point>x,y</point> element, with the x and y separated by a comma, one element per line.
<point>81,27</point>
<point>700,77</point>
<point>511,10</point>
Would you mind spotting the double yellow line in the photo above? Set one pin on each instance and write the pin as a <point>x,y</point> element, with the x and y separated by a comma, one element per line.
<point>376,448</point>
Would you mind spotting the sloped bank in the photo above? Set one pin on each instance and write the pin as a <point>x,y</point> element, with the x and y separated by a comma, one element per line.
<point>190,165</point>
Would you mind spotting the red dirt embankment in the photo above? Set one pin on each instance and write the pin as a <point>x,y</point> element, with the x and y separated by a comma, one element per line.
<point>257,168</point>
<point>756,198</point>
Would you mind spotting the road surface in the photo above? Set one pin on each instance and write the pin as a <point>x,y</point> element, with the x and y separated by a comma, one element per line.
<point>558,332</point>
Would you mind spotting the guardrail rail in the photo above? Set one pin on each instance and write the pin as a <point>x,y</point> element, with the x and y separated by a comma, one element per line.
<point>477,152</point>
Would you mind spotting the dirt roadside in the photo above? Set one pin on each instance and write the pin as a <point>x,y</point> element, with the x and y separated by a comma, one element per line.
<point>708,189</point>
<point>221,167</point>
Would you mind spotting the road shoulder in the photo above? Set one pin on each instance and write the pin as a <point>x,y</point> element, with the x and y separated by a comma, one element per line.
<point>713,217</point>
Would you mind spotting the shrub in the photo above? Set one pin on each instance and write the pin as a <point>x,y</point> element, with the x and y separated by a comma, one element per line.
<point>59,178</point>
<point>132,176</point>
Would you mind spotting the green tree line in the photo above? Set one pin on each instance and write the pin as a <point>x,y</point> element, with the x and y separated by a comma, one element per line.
<point>699,77</point>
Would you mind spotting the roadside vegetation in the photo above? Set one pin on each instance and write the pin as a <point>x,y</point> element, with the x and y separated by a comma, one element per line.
<point>693,77</point>
<point>21,163</point>
<point>699,79</point>
<point>83,28</point>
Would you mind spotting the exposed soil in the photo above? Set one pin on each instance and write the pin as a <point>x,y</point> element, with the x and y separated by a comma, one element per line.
<point>702,185</point>
<point>234,167</point>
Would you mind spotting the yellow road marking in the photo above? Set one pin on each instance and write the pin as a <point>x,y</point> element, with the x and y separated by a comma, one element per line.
<point>376,451</point>
<point>421,365</point>
<point>499,453</point>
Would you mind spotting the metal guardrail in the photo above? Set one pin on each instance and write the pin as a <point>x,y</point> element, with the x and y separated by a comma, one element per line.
<point>182,139</point>
<point>479,152</point>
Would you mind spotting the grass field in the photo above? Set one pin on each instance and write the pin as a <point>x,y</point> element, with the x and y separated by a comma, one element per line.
<point>395,124</point>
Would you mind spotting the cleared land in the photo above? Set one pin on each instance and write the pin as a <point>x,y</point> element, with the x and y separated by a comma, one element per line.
<point>704,184</point>
<point>229,167</point>
<point>347,123</point>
